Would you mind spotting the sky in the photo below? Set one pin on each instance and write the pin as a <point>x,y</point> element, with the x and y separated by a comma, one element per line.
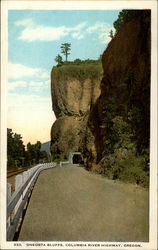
<point>34,40</point>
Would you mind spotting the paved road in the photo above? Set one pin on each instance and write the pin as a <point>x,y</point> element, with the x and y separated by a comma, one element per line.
<point>70,204</point>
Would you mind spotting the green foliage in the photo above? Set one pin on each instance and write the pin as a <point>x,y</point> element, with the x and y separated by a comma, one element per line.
<point>125,165</point>
<point>123,162</point>
<point>124,17</point>
<point>65,48</point>
<point>77,71</point>
<point>34,153</point>
<point>83,62</point>
<point>77,61</point>
<point>17,155</point>
<point>125,131</point>
<point>128,101</point>
<point>59,60</point>
<point>111,34</point>
<point>139,123</point>
<point>15,148</point>
<point>59,157</point>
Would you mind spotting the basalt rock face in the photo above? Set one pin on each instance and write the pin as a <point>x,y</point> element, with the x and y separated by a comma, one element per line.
<point>107,117</point>
<point>74,91</point>
<point>124,102</point>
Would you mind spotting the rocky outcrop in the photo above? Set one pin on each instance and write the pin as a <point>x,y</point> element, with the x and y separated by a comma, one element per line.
<point>111,128</point>
<point>74,91</point>
<point>124,103</point>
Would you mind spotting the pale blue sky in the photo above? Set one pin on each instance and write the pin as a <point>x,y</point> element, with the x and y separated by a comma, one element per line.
<point>35,38</point>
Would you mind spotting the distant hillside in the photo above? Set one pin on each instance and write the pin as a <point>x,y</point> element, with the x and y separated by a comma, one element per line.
<point>46,147</point>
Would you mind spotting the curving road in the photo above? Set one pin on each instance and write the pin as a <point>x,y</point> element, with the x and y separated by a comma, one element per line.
<point>71,204</point>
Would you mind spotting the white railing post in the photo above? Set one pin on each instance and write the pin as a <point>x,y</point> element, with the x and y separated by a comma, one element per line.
<point>9,194</point>
<point>25,176</point>
<point>18,181</point>
<point>9,187</point>
<point>18,185</point>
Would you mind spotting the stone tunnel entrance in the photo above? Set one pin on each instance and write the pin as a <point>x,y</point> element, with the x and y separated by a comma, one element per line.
<point>75,158</point>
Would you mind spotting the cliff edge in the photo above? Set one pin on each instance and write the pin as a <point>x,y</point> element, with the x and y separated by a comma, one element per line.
<point>119,122</point>
<point>107,117</point>
<point>75,89</point>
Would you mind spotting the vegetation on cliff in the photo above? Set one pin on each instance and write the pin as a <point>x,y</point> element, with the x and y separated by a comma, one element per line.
<point>78,69</point>
<point>126,16</point>
<point>65,48</point>
<point>75,87</point>
<point>122,127</point>
<point>113,131</point>
<point>121,158</point>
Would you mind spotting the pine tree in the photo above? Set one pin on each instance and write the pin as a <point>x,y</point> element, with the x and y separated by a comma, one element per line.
<point>65,48</point>
<point>111,34</point>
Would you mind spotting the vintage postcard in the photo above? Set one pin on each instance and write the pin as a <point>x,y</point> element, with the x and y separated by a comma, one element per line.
<point>78,125</point>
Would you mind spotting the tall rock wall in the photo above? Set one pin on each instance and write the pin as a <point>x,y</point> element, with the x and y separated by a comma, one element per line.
<point>107,117</point>
<point>119,122</point>
<point>74,91</point>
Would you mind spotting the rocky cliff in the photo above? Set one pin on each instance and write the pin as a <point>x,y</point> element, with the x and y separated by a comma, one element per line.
<point>119,122</point>
<point>111,128</point>
<point>75,89</point>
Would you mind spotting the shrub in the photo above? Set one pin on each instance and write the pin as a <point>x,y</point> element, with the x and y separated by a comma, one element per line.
<point>123,162</point>
<point>80,72</point>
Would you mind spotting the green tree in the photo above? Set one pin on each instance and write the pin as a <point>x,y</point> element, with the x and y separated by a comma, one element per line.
<point>124,17</point>
<point>59,60</point>
<point>111,34</point>
<point>34,153</point>
<point>15,148</point>
<point>65,48</point>
<point>77,61</point>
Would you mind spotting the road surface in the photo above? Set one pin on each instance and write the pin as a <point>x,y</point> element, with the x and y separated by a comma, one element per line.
<point>71,204</point>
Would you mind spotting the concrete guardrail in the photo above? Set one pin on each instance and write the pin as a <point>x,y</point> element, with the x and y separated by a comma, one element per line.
<point>17,202</point>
